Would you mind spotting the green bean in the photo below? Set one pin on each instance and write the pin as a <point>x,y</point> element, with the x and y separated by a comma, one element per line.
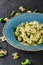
<point>36,10</point>
<point>26,62</point>
<point>13,13</point>
<point>30,24</point>
<point>40,41</point>
<point>19,39</point>
<point>1,19</point>
<point>1,55</point>
<point>0,46</point>
<point>28,34</point>
<point>17,14</point>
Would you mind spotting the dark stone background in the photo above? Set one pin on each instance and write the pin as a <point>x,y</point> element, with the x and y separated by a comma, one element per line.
<point>6,6</point>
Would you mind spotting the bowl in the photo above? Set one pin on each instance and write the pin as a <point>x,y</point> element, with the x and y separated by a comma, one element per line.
<point>8,30</point>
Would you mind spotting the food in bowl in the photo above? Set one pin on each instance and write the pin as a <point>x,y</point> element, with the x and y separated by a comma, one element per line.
<point>29,33</point>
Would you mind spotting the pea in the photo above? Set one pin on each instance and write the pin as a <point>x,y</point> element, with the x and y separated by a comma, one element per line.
<point>1,55</point>
<point>19,39</point>
<point>1,19</point>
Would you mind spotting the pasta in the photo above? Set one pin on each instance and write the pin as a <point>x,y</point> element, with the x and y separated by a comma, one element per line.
<point>29,33</point>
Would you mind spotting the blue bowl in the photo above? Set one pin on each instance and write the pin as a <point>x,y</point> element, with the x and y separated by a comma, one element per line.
<point>8,30</point>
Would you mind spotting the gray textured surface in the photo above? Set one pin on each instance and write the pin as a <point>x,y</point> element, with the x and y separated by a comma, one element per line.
<point>6,6</point>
